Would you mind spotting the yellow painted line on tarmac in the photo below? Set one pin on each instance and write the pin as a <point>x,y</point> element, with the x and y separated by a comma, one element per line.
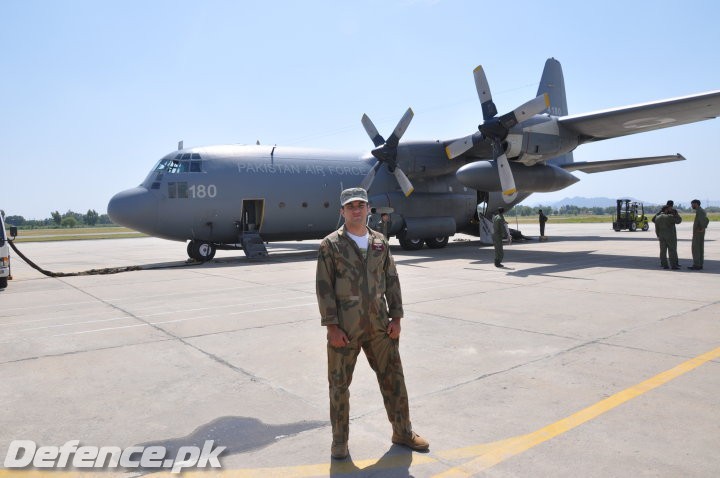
<point>481,456</point>
<point>487,456</point>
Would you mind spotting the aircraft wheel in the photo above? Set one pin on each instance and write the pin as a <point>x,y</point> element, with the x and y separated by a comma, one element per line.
<point>201,251</point>
<point>3,282</point>
<point>205,251</point>
<point>437,242</point>
<point>633,227</point>
<point>411,244</point>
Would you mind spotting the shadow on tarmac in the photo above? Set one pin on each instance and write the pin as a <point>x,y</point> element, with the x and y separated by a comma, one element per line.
<point>237,434</point>
<point>395,463</point>
<point>550,262</point>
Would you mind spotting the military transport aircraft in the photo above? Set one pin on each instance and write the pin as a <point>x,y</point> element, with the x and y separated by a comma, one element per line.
<point>242,196</point>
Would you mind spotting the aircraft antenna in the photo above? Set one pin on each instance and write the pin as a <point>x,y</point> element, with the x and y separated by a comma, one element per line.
<point>180,145</point>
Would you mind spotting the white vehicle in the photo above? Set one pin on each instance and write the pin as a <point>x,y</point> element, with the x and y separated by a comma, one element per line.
<point>5,252</point>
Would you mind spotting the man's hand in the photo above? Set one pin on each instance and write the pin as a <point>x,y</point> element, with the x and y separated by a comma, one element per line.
<point>393,329</point>
<point>336,337</point>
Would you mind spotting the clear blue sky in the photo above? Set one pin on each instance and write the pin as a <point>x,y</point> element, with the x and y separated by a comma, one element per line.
<point>93,93</point>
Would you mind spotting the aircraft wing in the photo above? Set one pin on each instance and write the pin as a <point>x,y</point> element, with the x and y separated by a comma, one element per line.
<point>482,150</point>
<point>613,164</point>
<point>643,117</point>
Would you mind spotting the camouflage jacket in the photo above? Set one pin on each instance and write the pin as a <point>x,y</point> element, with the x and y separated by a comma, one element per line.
<point>351,288</point>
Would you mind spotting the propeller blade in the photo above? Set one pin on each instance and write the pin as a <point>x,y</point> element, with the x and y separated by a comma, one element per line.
<point>370,177</point>
<point>483,90</point>
<point>507,181</point>
<point>372,131</point>
<point>456,148</point>
<point>404,182</point>
<point>525,111</point>
<point>400,129</point>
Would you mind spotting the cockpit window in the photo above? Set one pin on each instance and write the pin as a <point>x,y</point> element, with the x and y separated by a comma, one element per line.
<point>181,164</point>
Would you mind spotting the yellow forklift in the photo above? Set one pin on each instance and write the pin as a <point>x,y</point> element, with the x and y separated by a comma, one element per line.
<point>630,215</point>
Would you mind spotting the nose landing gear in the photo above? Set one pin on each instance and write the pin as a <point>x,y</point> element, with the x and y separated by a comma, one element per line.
<point>201,251</point>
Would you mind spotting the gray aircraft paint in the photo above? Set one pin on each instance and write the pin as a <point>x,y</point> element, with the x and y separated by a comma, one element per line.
<point>295,191</point>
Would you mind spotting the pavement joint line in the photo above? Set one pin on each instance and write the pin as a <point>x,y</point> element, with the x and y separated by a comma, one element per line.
<point>488,455</point>
<point>211,356</point>
<point>482,456</point>
<point>172,336</point>
<point>77,352</point>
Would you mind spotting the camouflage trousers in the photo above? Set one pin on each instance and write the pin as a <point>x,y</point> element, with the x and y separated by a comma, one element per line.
<point>383,354</point>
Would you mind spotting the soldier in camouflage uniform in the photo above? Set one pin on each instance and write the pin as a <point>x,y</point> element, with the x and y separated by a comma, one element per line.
<point>358,292</point>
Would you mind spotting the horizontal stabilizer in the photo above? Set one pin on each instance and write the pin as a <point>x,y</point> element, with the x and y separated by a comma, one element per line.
<point>613,164</point>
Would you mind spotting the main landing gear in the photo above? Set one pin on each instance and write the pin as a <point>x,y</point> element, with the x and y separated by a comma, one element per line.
<point>417,244</point>
<point>201,251</point>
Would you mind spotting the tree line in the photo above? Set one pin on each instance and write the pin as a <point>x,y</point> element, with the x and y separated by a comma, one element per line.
<point>92,218</point>
<point>571,210</point>
<point>68,219</point>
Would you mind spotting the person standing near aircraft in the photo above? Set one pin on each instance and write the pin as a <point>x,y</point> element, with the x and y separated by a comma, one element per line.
<point>669,208</point>
<point>499,225</point>
<point>358,293</point>
<point>665,232</point>
<point>385,223</point>
<point>698,238</point>
<point>543,219</point>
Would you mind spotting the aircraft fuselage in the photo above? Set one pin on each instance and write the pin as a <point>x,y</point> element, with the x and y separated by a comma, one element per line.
<point>283,193</point>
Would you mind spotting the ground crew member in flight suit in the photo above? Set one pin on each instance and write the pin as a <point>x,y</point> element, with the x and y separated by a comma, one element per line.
<point>385,223</point>
<point>499,224</point>
<point>698,238</point>
<point>358,293</point>
<point>543,219</point>
<point>665,232</point>
<point>669,208</point>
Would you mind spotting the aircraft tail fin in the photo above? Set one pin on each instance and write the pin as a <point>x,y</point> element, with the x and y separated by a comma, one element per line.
<point>552,82</point>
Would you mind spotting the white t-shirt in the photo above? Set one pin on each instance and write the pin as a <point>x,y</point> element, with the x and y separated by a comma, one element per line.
<point>361,241</point>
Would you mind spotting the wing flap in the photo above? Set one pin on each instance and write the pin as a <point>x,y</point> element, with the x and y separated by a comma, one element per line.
<point>614,164</point>
<point>643,117</point>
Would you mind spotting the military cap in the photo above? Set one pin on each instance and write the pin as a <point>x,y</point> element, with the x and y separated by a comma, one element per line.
<point>353,194</point>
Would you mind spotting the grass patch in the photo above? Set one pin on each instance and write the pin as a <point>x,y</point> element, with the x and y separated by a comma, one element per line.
<point>76,234</point>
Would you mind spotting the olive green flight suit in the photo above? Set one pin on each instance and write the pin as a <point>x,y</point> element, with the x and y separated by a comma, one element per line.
<point>665,232</point>
<point>698,238</point>
<point>498,235</point>
<point>360,295</point>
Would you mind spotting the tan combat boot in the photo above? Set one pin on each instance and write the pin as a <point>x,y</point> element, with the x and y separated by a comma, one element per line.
<point>414,442</point>
<point>339,450</point>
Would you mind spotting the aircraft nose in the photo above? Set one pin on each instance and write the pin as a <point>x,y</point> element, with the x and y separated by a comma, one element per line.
<point>136,208</point>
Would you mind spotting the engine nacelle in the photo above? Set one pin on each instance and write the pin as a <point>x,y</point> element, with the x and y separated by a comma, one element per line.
<point>483,176</point>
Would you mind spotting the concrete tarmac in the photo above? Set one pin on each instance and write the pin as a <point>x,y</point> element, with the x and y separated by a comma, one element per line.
<point>581,358</point>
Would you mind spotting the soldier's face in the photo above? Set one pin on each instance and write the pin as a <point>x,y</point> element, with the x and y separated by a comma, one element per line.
<point>355,212</point>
